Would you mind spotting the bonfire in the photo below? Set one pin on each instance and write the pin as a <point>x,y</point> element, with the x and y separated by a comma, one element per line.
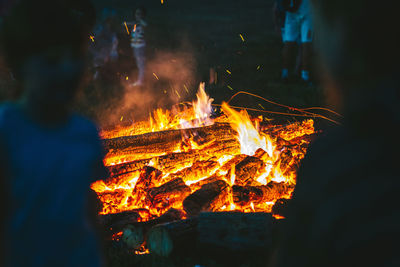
<point>181,163</point>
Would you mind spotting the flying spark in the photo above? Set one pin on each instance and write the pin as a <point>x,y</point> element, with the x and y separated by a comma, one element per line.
<point>126,27</point>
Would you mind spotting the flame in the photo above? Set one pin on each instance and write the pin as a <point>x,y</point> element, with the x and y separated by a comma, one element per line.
<point>202,107</point>
<point>249,137</point>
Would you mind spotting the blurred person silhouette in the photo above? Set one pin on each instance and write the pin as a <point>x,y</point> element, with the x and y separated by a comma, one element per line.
<point>138,43</point>
<point>279,17</point>
<point>104,47</point>
<point>298,27</point>
<point>49,155</point>
<point>279,11</point>
<point>345,211</point>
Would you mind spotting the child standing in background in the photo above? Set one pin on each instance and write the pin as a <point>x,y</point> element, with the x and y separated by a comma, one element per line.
<point>138,43</point>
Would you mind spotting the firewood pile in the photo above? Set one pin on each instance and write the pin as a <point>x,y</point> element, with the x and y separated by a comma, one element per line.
<point>215,183</point>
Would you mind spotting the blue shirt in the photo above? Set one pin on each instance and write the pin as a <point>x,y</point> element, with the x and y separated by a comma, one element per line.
<point>50,171</point>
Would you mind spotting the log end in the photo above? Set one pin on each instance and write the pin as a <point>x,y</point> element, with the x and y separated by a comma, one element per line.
<point>159,242</point>
<point>133,236</point>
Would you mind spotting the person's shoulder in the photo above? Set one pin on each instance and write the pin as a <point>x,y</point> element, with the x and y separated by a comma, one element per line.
<point>7,110</point>
<point>84,126</point>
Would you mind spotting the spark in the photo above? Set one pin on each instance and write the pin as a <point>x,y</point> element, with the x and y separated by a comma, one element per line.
<point>230,87</point>
<point>122,117</point>
<point>134,28</point>
<point>252,206</point>
<point>261,106</point>
<point>258,67</point>
<point>126,26</point>
<point>184,86</point>
<point>162,2</point>
<point>155,75</point>
<point>241,37</point>
<point>228,71</point>
<point>91,38</point>
<point>127,78</point>
<point>177,94</point>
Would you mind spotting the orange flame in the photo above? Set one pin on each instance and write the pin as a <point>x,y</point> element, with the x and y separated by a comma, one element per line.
<point>248,136</point>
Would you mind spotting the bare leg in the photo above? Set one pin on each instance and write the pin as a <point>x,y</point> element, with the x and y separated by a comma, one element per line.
<point>288,54</point>
<point>306,60</point>
<point>289,49</point>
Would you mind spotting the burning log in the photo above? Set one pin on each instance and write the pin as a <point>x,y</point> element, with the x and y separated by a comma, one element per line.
<point>209,197</point>
<point>290,130</point>
<point>108,198</point>
<point>168,195</point>
<point>149,177</point>
<point>245,195</point>
<point>205,181</point>
<point>135,234</point>
<point>173,161</point>
<point>123,168</point>
<point>169,138</point>
<point>248,169</point>
<point>168,238</point>
<point>235,160</point>
<point>198,170</point>
<point>235,231</point>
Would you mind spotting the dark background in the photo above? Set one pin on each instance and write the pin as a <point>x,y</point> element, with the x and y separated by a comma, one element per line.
<point>187,38</point>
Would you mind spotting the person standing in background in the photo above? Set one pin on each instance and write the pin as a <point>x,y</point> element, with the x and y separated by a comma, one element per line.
<point>138,43</point>
<point>298,26</point>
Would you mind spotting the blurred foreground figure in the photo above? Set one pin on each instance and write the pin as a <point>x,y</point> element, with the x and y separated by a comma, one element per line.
<point>49,156</point>
<point>345,209</point>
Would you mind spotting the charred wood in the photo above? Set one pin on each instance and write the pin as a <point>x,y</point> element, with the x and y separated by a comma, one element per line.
<point>169,238</point>
<point>149,177</point>
<point>114,223</point>
<point>135,234</point>
<point>248,169</point>
<point>170,194</point>
<point>245,195</point>
<point>235,231</point>
<point>280,207</point>
<point>209,197</point>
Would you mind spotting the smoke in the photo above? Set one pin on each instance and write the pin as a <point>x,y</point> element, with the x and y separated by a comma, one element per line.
<point>170,79</point>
